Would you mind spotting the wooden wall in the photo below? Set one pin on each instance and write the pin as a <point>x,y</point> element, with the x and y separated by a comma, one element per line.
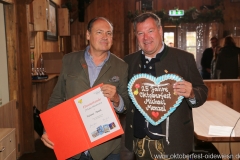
<point>231,17</point>
<point>42,45</point>
<point>225,91</point>
<point>116,11</point>
<point>41,90</point>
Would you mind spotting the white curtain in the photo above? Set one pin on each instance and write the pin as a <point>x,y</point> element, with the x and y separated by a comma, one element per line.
<point>204,32</point>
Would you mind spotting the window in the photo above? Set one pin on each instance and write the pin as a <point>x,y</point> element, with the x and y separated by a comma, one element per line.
<point>191,43</point>
<point>169,38</point>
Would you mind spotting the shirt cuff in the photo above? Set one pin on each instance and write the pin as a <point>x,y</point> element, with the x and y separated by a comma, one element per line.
<point>120,107</point>
<point>192,100</point>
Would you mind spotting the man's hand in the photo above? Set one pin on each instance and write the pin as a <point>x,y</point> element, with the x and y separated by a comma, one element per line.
<point>46,141</point>
<point>183,88</point>
<point>110,92</point>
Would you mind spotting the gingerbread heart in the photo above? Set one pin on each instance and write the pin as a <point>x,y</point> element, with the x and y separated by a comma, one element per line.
<point>154,97</point>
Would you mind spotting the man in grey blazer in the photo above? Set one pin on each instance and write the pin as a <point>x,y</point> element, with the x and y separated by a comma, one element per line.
<point>172,140</point>
<point>85,69</point>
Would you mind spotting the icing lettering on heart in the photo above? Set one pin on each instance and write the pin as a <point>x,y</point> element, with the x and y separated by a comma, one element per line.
<point>154,97</point>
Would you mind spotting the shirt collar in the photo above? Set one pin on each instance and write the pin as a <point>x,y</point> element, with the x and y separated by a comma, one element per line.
<point>88,56</point>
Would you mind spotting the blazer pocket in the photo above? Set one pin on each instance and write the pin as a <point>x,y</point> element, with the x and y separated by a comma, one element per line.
<point>71,76</point>
<point>114,79</point>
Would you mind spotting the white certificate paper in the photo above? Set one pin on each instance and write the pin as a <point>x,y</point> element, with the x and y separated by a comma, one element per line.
<point>97,114</point>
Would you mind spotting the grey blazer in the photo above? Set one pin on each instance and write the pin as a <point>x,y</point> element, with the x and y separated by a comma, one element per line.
<point>181,122</point>
<point>74,79</point>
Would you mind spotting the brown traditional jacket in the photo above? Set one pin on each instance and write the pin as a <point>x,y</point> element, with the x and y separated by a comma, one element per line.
<point>181,130</point>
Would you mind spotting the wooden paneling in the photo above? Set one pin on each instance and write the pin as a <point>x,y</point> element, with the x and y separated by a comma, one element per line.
<point>42,45</point>
<point>78,36</point>
<point>40,15</point>
<point>225,91</point>
<point>128,5</point>
<point>63,22</point>
<point>231,17</point>
<point>118,37</point>
<point>223,149</point>
<point>116,12</point>
<point>42,92</point>
<point>132,39</point>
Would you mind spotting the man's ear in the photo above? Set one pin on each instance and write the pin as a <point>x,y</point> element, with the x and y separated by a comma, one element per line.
<point>160,30</point>
<point>88,35</point>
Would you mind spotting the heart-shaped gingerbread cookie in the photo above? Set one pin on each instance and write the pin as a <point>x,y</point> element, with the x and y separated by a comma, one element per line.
<point>154,97</point>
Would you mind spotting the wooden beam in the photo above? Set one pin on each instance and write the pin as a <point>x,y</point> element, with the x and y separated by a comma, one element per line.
<point>11,41</point>
<point>24,77</point>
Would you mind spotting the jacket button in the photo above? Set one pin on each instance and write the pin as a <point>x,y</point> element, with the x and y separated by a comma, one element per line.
<point>130,126</point>
<point>132,110</point>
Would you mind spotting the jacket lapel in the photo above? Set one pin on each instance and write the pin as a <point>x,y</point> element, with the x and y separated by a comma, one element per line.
<point>161,66</point>
<point>84,66</point>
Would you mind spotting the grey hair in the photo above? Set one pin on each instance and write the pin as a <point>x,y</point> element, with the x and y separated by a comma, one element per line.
<point>143,16</point>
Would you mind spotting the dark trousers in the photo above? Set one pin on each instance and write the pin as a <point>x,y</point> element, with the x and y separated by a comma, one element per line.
<point>89,157</point>
<point>83,157</point>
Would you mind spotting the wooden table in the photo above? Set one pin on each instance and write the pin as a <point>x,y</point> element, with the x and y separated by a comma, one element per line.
<point>216,113</point>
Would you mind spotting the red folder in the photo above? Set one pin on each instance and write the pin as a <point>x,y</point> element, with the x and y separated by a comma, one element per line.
<point>66,130</point>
